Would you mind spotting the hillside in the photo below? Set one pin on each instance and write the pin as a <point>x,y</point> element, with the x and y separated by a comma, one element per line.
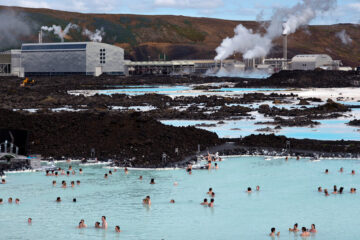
<point>181,37</point>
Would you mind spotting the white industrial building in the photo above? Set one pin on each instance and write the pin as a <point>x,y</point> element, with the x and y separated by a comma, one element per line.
<point>66,58</point>
<point>313,61</point>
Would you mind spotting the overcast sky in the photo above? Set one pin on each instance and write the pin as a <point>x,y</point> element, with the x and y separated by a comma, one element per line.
<point>347,11</point>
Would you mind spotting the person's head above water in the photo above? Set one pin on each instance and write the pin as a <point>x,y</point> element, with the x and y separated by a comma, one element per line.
<point>58,199</point>
<point>152,181</point>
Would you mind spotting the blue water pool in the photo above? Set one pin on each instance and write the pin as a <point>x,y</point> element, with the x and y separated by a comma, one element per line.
<point>288,194</point>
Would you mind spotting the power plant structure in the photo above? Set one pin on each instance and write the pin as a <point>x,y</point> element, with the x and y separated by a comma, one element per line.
<point>93,58</point>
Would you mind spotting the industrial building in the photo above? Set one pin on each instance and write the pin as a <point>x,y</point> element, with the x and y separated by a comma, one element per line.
<point>87,58</point>
<point>313,61</point>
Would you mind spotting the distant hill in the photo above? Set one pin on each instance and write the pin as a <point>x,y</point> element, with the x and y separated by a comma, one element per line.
<point>148,37</point>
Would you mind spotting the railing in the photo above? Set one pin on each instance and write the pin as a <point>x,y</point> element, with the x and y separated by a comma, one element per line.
<point>7,147</point>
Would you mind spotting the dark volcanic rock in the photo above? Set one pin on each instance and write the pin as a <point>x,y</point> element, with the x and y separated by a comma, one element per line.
<point>131,138</point>
<point>355,122</point>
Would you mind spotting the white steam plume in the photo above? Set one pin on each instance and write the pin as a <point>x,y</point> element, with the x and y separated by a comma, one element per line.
<point>94,36</point>
<point>58,30</point>
<point>283,21</point>
<point>13,27</point>
<point>344,37</point>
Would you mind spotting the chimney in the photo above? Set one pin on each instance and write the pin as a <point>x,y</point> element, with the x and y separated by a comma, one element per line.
<point>40,36</point>
<point>285,46</point>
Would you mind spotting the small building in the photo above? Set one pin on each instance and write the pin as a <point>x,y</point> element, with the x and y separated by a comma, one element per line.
<point>10,63</point>
<point>68,58</point>
<point>312,61</point>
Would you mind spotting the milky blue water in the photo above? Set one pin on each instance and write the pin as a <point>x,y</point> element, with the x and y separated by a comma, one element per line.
<point>329,129</point>
<point>288,194</point>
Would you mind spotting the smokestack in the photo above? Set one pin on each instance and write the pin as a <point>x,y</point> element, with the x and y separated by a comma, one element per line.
<point>40,36</point>
<point>285,46</point>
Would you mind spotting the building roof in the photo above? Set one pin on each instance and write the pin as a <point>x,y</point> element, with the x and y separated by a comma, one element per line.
<point>60,46</point>
<point>310,57</point>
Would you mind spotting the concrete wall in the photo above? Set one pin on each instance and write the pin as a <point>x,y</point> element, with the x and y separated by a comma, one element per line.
<point>112,61</point>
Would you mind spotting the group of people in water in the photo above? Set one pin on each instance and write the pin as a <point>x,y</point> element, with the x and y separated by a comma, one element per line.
<point>103,225</point>
<point>10,200</point>
<point>304,231</point>
<point>341,170</point>
<point>62,172</point>
<point>335,190</point>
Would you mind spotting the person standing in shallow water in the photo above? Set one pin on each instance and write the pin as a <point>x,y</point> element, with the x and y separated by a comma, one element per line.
<point>104,224</point>
<point>273,234</point>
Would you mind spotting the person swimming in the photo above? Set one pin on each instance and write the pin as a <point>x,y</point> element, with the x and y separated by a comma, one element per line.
<point>210,191</point>
<point>56,174</point>
<point>326,192</point>
<point>205,202</point>
<point>110,172</point>
<point>73,172</point>
<point>10,200</point>
<point>141,177</point>
<point>147,200</point>
<point>335,190</point>
<point>67,173</point>
<point>72,184</point>
<point>257,188</point>
<point>80,171</point>
<point>63,184</point>
<point>74,199</point>
<point>152,181</point>
<point>172,201</point>
<point>126,170</point>
<point>3,181</point>
<point>97,225</point>
<point>216,166</point>
<point>313,229</point>
<point>249,190</point>
<point>295,229</point>
<point>17,201</point>
<point>212,194</point>
<point>319,189</point>
<point>297,158</point>
<point>78,182</point>
<point>352,172</point>
<point>1,201</point>
<point>211,204</point>
<point>326,171</point>
<point>29,221</point>
<point>117,229</point>
<point>58,199</point>
<point>304,233</point>
<point>209,165</point>
<point>341,169</point>
<point>341,190</point>
<point>272,232</point>
<point>104,224</point>
<point>82,224</point>
<point>105,175</point>
<point>54,183</point>
<point>47,173</point>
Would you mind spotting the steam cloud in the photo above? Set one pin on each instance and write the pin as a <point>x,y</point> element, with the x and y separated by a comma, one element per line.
<point>283,21</point>
<point>12,28</point>
<point>344,37</point>
<point>96,36</point>
<point>58,30</point>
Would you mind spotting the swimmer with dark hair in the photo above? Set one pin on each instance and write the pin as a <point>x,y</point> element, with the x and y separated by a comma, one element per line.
<point>326,192</point>
<point>17,201</point>
<point>54,183</point>
<point>272,233</point>
<point>152,181</point>
<point>104,224</point>
<point>313,229</point>
<point>295,229</point>
<point>205,202</point>
<point>172,201</point>
<point>141,178</point>
<point>58,199</point>
<point>1,201</point>
<point>117,229</point>
<point>72,184</point>
<point>105,175</point>
<point>63,184</point>
<point>319,189</point>
<point>326,171</point>
<point>82,224</point>
<point>80,171</point>
<point>3,181</point>
<point>212,194</point>
<point>257,188</point>
<point>147,200</point>
<point>126,170</point>
<point>211,204</point>
<point>335,190</point>
<point>10,200</point>
<point>216,166</point>
<point>210,191</point>
<point>341,170</point>
<point>341,190</point>
<point>74,199</point>
<point>304,233</point>
<point>97,225</point>
<point>67,173</point>
<point>249,190</point>
<point>77,182</point>
<point>110,172</point>
<point>352,172</point>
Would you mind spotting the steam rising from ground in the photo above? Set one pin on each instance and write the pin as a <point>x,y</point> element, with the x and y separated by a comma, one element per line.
<point>283,21</point>
<point>344,37</point>
<point>96,36</point>
<point>12,28</point>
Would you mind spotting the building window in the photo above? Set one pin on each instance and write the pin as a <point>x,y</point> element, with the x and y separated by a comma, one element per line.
<point>102,56</point>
